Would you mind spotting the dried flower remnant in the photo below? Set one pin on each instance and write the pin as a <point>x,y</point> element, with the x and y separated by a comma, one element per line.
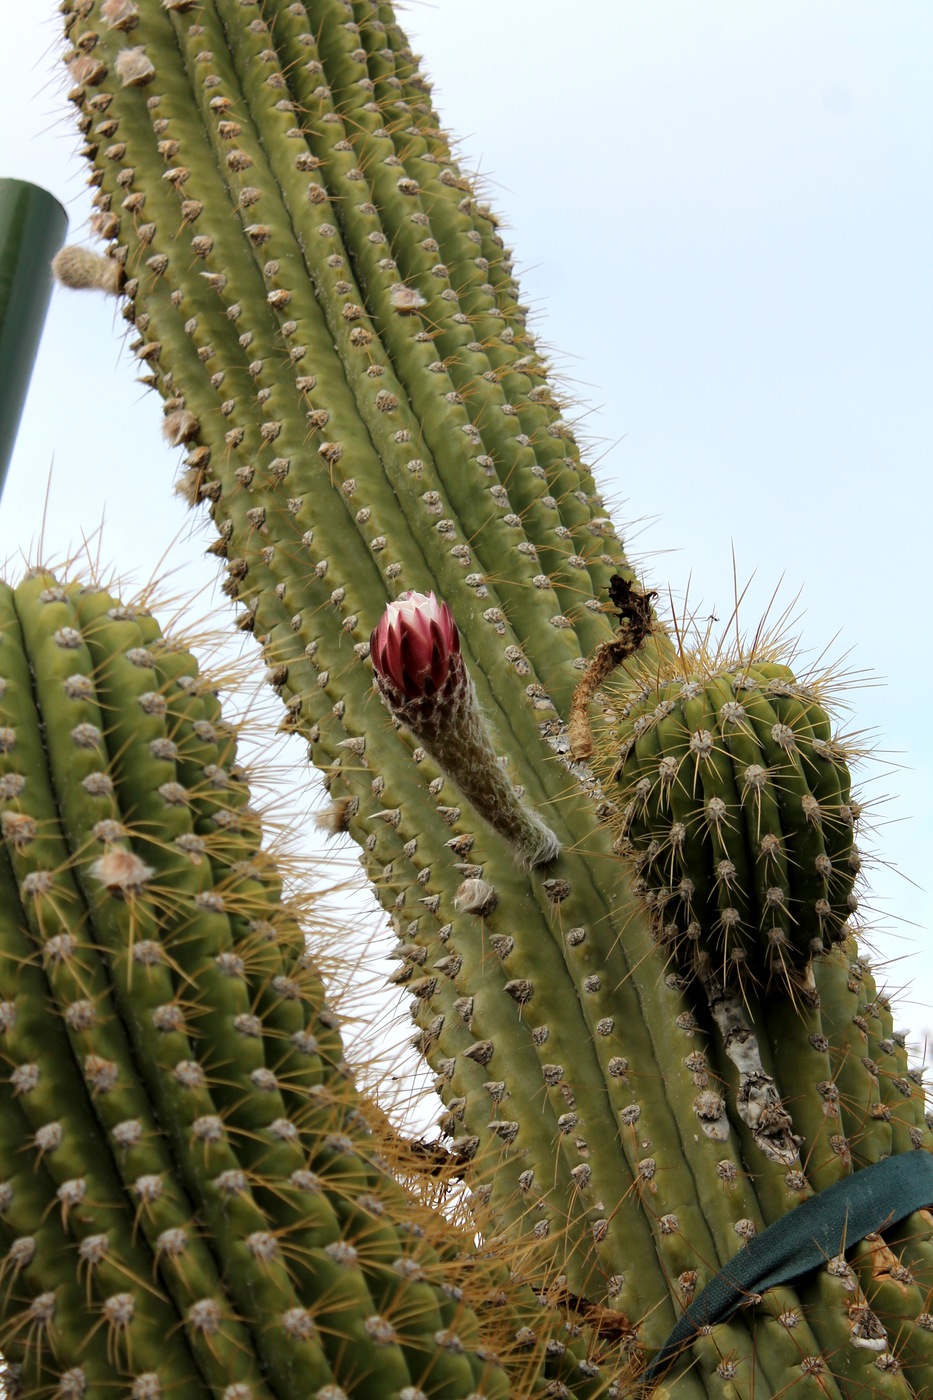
<point>81,269</point>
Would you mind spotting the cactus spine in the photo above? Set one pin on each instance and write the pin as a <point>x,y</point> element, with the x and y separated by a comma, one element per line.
<point>331,318</point>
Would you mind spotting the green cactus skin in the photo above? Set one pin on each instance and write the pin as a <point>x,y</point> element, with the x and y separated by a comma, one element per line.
<point>330,316</point>
<point>191,1200</point>
<point>736,809</point>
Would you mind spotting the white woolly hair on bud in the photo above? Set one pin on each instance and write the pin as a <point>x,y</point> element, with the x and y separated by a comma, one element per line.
<point>82,269</point>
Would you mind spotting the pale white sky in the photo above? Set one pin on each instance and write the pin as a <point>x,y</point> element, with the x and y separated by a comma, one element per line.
<point>724,217</point>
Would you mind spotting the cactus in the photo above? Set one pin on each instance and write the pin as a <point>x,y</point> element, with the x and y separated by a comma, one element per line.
<point>737,812</point>
<point>194,1200</point>
<point>329,313</point>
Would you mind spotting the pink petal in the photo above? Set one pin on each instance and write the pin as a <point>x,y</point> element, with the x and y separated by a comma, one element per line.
<point>414,643</point>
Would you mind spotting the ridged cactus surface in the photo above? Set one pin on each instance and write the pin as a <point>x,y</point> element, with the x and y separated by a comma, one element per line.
<point>329,313</point>
<point>736,810</point>
<point>191,1202</point>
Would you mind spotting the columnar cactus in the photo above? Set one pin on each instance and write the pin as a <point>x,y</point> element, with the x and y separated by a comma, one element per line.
<point>192,1199</point>
<point>330,316</point>
<point>174,1073</point>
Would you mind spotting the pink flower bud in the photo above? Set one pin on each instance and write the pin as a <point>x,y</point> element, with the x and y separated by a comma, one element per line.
<point>424,681</point>
<point>415,646</point>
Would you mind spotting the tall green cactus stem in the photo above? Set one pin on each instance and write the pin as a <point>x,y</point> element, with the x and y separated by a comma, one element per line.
<point>331,318</point>
<point>177,1109</point>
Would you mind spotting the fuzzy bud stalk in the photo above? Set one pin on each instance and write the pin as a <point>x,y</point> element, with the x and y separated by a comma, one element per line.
<point>424,681</point>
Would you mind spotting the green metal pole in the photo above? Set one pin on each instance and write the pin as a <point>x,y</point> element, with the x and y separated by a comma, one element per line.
<point>32,229</point>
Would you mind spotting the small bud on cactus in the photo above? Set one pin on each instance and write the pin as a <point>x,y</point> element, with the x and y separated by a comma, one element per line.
<point>422,677</point>
<point>415,648</point>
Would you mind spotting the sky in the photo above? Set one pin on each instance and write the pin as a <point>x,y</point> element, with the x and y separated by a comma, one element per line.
<point>723,219</point>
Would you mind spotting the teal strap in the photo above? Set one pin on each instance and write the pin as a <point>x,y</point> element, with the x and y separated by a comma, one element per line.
<point>814,1232</point>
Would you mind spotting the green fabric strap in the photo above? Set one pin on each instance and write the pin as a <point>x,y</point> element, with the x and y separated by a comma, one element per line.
<point>817,1230</point>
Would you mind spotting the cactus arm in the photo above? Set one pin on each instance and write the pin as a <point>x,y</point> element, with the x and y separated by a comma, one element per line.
<point>73,980</point>
<point>32,229</point>
<point>176,1084</point>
